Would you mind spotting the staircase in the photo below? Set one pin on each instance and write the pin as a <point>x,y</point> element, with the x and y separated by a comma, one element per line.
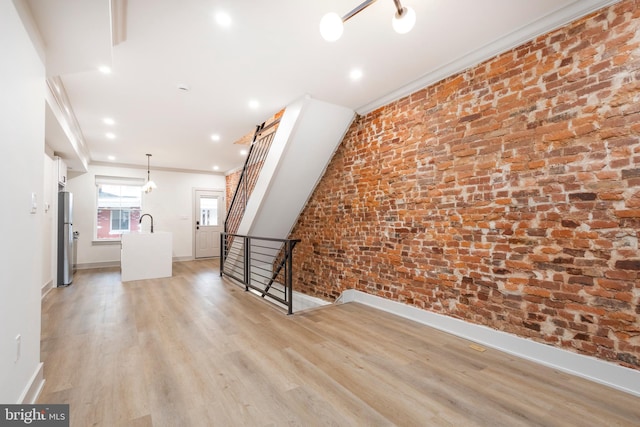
<point>258,151</point>
<point>308,134</point>
<point>306,137</point>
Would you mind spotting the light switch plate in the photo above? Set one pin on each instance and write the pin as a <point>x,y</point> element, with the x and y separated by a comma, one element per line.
<point>34,203</point>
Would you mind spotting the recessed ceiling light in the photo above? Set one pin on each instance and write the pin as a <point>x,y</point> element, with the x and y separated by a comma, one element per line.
<point>355,74</point>
<point>109,121</point>
<point>215,137</point>
<point>243,152</point>
<point>215,168</point>
<point>111,158</point>
<point>110,135</point>
<point>253,104</point>
<point>223,19</point>
<point>104,69</point>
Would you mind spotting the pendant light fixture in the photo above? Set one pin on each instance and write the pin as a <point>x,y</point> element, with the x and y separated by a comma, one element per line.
<point>404,19</point>
<point>149,185</point>
<point>332,25</point>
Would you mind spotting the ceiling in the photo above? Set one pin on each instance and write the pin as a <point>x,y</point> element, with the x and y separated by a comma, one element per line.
<point>272,53</point>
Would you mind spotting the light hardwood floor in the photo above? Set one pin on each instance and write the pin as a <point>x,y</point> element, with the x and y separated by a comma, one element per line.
<point>195,350</point>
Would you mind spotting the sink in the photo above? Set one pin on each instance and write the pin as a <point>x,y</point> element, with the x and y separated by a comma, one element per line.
<point>146,255</point>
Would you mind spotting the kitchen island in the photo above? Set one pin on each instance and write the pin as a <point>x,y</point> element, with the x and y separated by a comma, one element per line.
<point>146,255</point>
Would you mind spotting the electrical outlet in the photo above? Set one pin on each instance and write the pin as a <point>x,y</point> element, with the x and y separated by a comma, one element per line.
<point>18,343</point>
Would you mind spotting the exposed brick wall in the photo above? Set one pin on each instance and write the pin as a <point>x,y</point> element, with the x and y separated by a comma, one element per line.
<point>507,195</point>
<point>231,182</point>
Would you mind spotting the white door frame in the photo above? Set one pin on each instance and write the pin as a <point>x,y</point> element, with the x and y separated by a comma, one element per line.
<point>194,214</point>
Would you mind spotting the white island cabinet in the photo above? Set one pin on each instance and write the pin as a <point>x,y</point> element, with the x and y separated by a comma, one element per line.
<point>146,255</point>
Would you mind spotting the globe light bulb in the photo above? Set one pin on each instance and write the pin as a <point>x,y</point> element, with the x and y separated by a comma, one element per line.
<point>403,23</point>
<point>331,27</point>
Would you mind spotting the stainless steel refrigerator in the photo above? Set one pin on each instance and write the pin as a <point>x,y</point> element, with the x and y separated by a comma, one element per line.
<point>65,238</point>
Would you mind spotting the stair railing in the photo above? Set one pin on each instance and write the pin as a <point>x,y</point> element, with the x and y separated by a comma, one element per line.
<point>263,265</point>
<point>258,151</point>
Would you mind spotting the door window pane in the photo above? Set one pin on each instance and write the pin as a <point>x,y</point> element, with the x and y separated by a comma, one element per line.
<point>209,211</point>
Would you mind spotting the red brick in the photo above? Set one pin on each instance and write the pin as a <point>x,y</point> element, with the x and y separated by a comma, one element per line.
<point>629,213</point>
<point>501,176</point>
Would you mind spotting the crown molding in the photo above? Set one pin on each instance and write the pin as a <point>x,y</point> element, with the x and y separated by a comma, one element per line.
<point>156,168</point>
<point>570,13</point>
<point>56,97</point>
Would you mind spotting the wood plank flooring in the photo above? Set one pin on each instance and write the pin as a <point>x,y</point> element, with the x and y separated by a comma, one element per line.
<point>195,350</point>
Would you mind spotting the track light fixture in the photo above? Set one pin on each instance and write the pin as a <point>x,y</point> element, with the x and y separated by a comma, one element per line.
<point>332,25</point>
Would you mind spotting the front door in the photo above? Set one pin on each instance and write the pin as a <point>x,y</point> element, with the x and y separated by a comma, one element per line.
<point>209,223</point>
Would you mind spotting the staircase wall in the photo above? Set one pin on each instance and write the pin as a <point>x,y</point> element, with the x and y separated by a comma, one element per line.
<point>309,133</point>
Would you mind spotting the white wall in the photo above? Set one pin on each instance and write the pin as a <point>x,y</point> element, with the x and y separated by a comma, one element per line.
<point>22,146</point>
<point>49,226</point>
<point>309,133</point>
<point>171,206</point>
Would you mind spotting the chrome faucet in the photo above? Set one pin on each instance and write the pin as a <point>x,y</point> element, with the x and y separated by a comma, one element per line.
<point>149,215</point>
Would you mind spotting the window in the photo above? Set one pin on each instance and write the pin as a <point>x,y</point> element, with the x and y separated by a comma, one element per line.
<point>120,219</point>
<point>208,211</point>
<point>119,206</point>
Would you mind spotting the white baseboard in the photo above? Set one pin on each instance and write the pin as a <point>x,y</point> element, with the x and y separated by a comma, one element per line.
<point>46,288</point>
<point>106,264</point>
<point>90,265</point>
<point>33,389</point>
<point>599,371</point>
<point>303,301</point>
